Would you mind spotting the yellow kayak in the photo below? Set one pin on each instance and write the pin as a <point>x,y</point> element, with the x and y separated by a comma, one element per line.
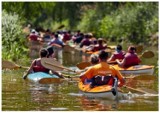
<point>104,91</point>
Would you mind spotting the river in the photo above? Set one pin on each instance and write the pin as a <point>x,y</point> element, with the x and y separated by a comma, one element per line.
<point>21,95</point>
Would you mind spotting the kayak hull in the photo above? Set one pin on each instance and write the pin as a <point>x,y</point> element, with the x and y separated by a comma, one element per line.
<point>136,70</point>
<point>36,77</point>
<point>104,91</point>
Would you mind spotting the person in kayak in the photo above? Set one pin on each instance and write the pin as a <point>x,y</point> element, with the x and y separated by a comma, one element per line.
<point>130,59</point>
<point>94,60</point>
<point>56,42</point>
<point>36,65</point>
<point>102,69</point>
<point>118,54</point>
<point>85,41</point>
<point>50,52</point>
<point>99,46</point>
<point>33,36</point>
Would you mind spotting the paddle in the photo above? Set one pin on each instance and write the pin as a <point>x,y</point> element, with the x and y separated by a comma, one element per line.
<point>139,48</point>
<point>11,65</point>
<point>60,27</point>
<point>83,65</point>
<point>50,63</point>
<point>50,80</point>
<point>138,90</point>
<point>145,54</point>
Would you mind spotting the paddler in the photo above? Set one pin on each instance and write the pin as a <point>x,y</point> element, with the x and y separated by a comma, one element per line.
<point>118,54</point>
<point>102,69</point>
<point>130,59</point>
<point>99,46</point>
<point>36,65</point>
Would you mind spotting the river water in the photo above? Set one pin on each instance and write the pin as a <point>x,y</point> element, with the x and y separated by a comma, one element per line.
<point>21,95</point>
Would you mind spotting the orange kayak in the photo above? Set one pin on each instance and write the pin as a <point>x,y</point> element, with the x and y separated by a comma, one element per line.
<point>137,69</point>
<point>104,91</point>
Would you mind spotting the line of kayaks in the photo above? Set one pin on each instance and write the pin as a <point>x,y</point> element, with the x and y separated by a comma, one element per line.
<point>86,49</point>
<point>105,91</point>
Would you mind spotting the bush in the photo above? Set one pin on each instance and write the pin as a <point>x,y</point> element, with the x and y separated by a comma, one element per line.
<point>13,41</point>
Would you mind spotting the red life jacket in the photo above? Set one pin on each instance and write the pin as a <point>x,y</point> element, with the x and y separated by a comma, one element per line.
<point>66,37</point>
<point>33,37</point>
<point>39,68</point>
<point>119,55</point>
<point>131,59</point>
<point>99,47</point>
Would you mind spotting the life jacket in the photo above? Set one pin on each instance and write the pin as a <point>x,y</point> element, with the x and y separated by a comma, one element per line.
<point>131,59</point>
<point>99,47</point>
<point>66,37</point>
<point>38,68</point>
<point>85,42</point>
<point>99,80</point>
<point>119,55</point>
<point>33,37</point>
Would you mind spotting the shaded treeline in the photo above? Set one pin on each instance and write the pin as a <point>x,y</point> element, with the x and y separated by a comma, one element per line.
<point>135,22</point>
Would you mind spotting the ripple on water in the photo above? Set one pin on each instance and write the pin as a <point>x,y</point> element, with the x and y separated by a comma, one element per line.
<point>59,109</point>
<point>75,94</point>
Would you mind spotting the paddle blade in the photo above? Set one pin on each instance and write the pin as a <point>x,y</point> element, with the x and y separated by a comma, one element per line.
<point>52,64</point>
<point>139,48</point>
<point>147,54</point>
<point>137,90</point>
<point>61,26</point>
<point>9,65</point>
<point>50,80</point>
<point>83,65</point>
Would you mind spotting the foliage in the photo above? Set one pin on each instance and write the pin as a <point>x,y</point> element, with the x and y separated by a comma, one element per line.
<point>13,43</point>
<point>134,22</point>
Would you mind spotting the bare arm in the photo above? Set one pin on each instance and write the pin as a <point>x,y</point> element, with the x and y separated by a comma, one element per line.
<point>122,63</point>
<point>111,58</point>
<point>120,78</point>
<point>29,70</point>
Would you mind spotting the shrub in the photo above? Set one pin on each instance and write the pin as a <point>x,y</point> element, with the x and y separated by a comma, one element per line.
<point>13,41</point>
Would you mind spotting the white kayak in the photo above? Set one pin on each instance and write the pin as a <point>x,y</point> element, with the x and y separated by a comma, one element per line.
<point>136,70</point>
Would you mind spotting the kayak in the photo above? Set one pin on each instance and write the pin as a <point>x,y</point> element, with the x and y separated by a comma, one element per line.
<point>41,76</point>
<point>103,91</point>
<point>136,70</point>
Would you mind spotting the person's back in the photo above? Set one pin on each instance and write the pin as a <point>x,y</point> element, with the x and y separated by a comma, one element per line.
<point>102,69</point>
<point>79,38</point>
<point>99,46</point>
<point>50,52</point>
<point>85,42</point>
<point>118,54</point>
<point>130,58</point>
<point>47,36</point>
<point>56,41</point>
<point>36,65</point>
<point>66,37</point>
<point>33,36</point>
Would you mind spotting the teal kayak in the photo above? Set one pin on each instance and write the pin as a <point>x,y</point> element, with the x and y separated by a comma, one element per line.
<point>40,76</point>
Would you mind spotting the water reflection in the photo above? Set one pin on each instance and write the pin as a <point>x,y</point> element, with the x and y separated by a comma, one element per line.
<point>20,95</point>
<point>93,104</point>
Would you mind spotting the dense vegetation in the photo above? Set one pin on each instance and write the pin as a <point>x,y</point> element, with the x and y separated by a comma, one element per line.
<point>135,22</point>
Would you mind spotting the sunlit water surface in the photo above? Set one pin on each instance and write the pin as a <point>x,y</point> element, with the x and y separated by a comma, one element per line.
<point>21,95</point>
